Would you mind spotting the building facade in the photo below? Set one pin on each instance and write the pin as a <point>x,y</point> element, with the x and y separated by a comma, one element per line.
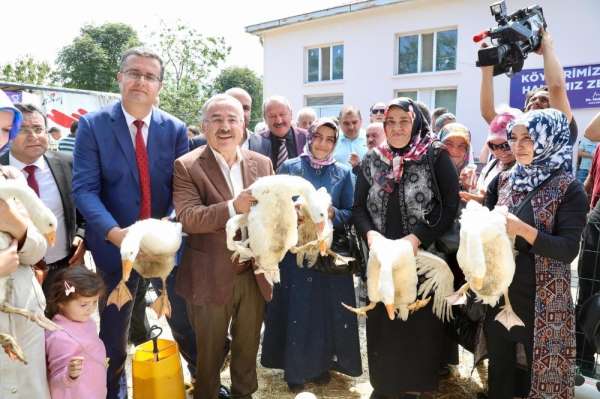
<point>375,50</point>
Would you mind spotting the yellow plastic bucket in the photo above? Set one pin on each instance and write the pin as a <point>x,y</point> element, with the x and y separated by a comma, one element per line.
<point>156,371</point>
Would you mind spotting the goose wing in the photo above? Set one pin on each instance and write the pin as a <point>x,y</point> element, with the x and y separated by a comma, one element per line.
<point>438,279</point>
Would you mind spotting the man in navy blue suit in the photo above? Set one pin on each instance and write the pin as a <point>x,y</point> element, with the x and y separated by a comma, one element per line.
<point>122,172</point>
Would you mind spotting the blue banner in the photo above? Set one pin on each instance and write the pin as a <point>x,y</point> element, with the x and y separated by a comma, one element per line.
<point>583,85</point>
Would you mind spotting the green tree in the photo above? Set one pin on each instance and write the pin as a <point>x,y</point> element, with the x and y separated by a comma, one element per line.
<point>91,61</point>
<point>190,58</point>
<point>27,70</point>
<point>247,80</point>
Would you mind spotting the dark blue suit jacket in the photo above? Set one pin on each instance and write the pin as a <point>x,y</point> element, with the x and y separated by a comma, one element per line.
<point>106,179</point>
<point>261,142</point>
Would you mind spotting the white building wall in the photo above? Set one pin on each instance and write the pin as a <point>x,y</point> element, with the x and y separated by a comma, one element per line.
<point>369,39</point>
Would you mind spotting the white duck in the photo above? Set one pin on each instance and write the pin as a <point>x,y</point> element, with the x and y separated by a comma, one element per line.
<point>486,257</point>
<point>272,222</point>
<point>149,247</point>
<point>310,242</point>
<point>15,192</point>
<point>393,274</point>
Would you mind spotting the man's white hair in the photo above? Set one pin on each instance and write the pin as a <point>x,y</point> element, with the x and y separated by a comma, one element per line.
<point>276,99</point>
<point>222,98</point>
<point>378,125</point>
<point>238,91</point>
<point>306,111</point>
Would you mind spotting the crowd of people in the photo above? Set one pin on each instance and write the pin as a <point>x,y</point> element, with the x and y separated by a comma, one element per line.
<point>406,176</point>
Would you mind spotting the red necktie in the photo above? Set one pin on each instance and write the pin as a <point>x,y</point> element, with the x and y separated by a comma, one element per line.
<point>141,157</point>
<point>31,180</point>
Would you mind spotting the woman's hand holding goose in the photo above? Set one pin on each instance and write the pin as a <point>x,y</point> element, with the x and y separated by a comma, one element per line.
<point>12,222</point>
<point>414,241</point>
<point>516,227</point>
<point>372,235</point>
<point>9,259</point>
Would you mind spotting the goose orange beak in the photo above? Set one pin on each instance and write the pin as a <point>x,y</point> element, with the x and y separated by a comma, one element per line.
<point>127,267</point>
<point>390,311</point>
<point>323,247</point>
<point>320,227</point>
<point>50,237</point>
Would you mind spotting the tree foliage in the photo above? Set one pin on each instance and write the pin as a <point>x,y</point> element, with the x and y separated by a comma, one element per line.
<point>247,80</point>
<point>27,70</point>
<point>91,61</point>
<point>190,58</point>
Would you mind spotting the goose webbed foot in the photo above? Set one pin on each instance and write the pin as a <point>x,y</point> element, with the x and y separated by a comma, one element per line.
<point>361,311</point>
<point>12,349</point>
<point>162,305</point>
<point>119,296</point>
<point>418,304</point>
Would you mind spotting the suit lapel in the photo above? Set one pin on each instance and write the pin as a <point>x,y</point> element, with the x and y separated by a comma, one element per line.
<point>62,178</point>
<point>155,138</point>
<point>209,164</point>
<point>249,170</point>
<point>123,136</point>
<point>4,160</point>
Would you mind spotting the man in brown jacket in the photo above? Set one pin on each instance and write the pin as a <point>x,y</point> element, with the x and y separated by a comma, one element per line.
<point>210,185</point>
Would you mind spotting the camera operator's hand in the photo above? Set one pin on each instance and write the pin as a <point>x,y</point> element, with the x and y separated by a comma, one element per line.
<point>546,42</point>
<point>486,94</point>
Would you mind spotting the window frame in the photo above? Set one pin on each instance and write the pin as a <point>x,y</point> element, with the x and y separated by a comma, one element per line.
<point>419,35</point>
<point>432,94</point>
<point>331,62</point>
<point>317,108</point>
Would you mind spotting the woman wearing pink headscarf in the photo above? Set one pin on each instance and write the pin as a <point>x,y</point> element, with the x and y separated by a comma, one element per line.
<point>503,159</point>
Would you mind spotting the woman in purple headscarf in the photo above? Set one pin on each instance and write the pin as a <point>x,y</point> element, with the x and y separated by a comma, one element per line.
<point>307,332</point>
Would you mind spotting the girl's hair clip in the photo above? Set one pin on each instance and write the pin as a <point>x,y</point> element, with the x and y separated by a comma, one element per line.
<point>69,289</point>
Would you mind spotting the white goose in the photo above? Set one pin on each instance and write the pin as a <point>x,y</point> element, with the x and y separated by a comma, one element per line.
<point>392,278</point>
<point>309,246</point>
<point>14,192</point>
<point>272,222</point>
<point>486,257</point>
<point>149,247</point>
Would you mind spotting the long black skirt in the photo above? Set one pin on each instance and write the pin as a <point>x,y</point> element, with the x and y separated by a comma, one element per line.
<point>404,356</point>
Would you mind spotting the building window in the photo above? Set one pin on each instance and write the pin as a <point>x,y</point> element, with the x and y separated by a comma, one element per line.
<point>445,98</point>
<point>325,63</point>
<point>327,105</point>
<point>433,98</point>
<point>427,52</point>
<point>412,94</point>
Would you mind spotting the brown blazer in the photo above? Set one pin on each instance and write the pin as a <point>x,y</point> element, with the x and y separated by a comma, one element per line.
<point>200,196</point>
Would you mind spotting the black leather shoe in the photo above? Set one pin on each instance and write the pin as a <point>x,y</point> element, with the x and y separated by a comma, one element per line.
<point>295,388</point>
<point>377,395</point>
<point>322,379</point>
<point>224,392</point>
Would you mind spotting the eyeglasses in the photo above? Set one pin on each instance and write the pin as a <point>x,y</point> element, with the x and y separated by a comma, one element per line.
<point>500,147</point>
<point>378,111</point>
<point>136,75</point>
<point>37,130</point>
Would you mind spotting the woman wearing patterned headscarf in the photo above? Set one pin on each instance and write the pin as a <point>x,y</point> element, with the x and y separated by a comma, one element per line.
<point>395,198</point>
<point>547,231</point>
<point>307,333</point>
